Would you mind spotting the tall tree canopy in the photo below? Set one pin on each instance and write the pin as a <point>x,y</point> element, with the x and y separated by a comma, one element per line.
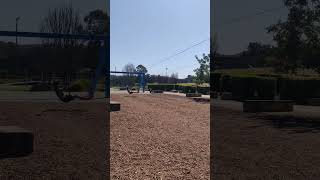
<point>64,20</point>
<point>129,68</point>
<point>299,34</point>
<point>141,68</point>
<point>97,22</point>
<point>203,72</point>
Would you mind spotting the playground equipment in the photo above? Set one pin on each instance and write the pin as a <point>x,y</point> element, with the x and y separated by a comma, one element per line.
<point>103,61</point>
<point>16,141</point>
<point>141,77</point>
<point>132,90</point>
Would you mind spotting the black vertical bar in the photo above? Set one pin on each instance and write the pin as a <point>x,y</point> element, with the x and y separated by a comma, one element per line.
<point>107,59</point>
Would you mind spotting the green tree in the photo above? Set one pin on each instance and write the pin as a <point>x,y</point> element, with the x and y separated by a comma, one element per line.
<point>97,22</point>
<point>203,72</point>
<point>140,68</point>
<point>257,49</point>
<point>298,33</point>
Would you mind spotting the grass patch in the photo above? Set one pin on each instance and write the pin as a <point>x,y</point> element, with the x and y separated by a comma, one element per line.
<point>4,87</point>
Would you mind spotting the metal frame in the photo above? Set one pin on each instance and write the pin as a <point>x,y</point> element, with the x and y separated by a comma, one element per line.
<point>104,50</point>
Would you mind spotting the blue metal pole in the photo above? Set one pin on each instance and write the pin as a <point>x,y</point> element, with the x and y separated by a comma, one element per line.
<point>54,35</point>
<point>99,68</point>
<point>107,64</point>
<point>143,81</point>
<point>140,82</point>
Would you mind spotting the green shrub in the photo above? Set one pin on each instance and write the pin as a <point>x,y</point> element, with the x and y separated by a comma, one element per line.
<point>183,88</point>
<point>187,89</point>
<point>299,89</point>
<point>204,90</point>
<point>226,83</point>
<point>265,87</point>
<point>215,81</point>
<point>250,87</point>
<point>80,85</point>
<point>163,87</point>
<point>244,85</point>
<point>242,88</point>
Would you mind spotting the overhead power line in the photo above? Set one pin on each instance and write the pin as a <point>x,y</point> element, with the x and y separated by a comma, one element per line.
<point>262,12</point>
<point>234,20</point>
<point>180,52</point>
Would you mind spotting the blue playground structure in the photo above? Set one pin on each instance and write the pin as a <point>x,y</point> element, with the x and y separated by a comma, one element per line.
<point>104,60</point>
<point>141,76</point>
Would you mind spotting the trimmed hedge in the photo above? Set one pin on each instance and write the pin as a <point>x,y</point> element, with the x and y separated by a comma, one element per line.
<point>226,83</point>
<point>299,89</point>
<point>204,90</point>
<point>266,87</point>
<point>245,88</point>
<point>163,87</point>
<point>187,89</point>
<point>181,88</point>
<point>215,81</point>
<point>242,88</point>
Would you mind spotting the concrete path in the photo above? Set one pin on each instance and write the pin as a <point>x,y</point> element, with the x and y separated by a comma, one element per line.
<point>298,110</point>
<point>48,96</point>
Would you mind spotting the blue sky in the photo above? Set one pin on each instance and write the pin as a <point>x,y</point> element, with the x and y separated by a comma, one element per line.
<point>32,13</point>
<point>234,37</point>
<point>145,32</point>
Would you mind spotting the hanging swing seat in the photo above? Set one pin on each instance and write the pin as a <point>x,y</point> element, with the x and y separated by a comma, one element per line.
<point>68,97</point>
<point>132,90</point>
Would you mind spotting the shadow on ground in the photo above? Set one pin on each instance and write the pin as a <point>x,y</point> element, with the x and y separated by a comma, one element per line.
<point>290,123</point>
